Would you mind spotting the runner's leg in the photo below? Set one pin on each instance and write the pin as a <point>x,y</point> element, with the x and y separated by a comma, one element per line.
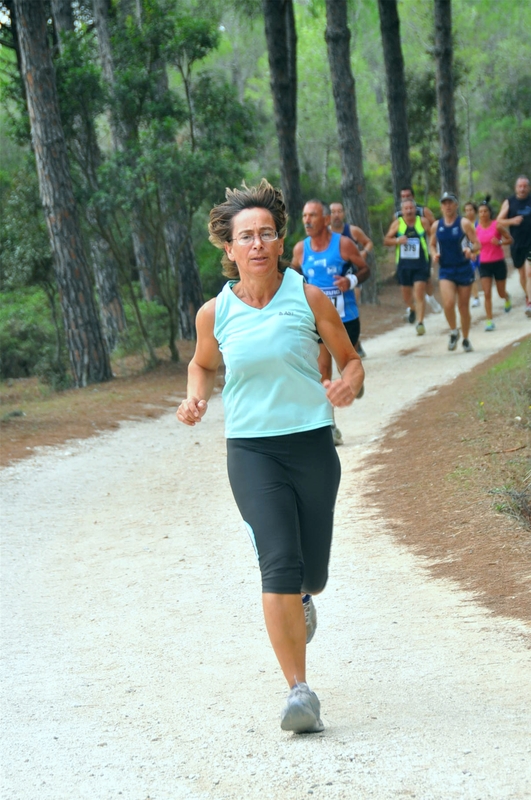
<point>448,291</point>
<point>463,303</point>
<point>486,285</point>
<point>420,297</point>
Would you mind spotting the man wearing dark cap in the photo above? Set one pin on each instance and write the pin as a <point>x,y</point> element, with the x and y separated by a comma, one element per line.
<point>456,273</point>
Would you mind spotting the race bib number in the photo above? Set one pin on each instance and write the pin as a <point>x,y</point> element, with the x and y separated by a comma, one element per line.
<point>336,296</point>
<point>411,249</point>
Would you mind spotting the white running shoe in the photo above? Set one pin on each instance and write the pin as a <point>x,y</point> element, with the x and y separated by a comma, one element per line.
<point>301,713</point>
<point>434,305</point>
<point>310,616</point>
<point>475,302</point>
<point>336,434</point>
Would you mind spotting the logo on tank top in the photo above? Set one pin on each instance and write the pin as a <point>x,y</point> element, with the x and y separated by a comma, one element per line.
<point>455,231</point>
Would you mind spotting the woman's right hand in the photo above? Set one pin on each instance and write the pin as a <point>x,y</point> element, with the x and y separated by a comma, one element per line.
<point>191,410</point>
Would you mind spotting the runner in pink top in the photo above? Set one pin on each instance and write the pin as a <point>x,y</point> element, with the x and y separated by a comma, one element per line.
<point>492,236</point>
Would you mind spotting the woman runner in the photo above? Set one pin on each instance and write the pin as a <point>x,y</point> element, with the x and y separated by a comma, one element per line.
<point>492,236</point>
<point>283,467</point>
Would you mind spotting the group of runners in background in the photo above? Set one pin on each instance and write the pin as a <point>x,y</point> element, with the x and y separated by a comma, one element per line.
<point>465,248</point>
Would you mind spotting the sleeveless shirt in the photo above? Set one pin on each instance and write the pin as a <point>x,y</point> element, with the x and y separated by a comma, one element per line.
<point>489,252</point>
<point>520,233</point>
<point>272,382</point>
<point>449,240</point>
<point>415,253</point>
<point>320,267</point>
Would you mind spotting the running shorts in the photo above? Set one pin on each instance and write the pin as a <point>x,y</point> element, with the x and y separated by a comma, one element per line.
<point>407,276</point>
<point>285,488</point>
<point>461,276</point>
<point>520,255</point>
<point>493,269</point>
<point>352,327</point>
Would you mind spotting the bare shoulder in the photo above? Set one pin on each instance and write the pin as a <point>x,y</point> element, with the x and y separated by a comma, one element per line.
<point>206,315</point>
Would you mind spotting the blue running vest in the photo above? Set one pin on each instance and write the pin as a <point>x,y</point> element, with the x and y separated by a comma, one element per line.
<point>319,269</point>
<point>450,242</point>
<point>272,382</point>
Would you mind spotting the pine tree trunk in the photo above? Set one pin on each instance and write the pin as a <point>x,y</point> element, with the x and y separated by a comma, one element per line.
<point>178,245</point>
<point>281,40</point>
<point>89,358</point>
<point>396,95</point>
<point>122,136</point>
<point>337,37</point>
<point>445,96</point>
<point>89,157</point>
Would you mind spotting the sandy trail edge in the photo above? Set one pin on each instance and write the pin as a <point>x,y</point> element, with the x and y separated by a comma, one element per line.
<point>135,659</point>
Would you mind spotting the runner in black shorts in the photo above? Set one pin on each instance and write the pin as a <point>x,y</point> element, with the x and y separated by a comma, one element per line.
<point>492,236</point>
<point>456,274</point>
<point>516,214</point>
<point>408,234</point>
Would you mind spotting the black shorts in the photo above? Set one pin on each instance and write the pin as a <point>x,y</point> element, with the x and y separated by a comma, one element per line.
<point>353,329</point>
<point>285,488</point>
<point>407,276</point>
<point>520,255</point>
<point>493,269</point>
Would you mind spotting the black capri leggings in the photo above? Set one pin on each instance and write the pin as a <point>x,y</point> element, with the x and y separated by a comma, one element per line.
<point>285,488</point>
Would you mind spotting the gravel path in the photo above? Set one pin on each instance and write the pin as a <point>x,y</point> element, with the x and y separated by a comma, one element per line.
<point>136,663</point>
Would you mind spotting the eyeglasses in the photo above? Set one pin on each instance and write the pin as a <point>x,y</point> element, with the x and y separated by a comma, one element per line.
<point>246,238</point>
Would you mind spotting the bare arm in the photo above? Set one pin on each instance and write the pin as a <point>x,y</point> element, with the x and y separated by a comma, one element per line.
<point>202,369</point>
<point>340,392</point>
<point>428,214</point>
<point>426,224</point>
<point>390,239</point>
<point>433,242</point>
<point>503,216</point>
<point>361,237</point>
<point>349,252</point>
<point>503,233</point>
<point>470,231</point>
<point>296,259</point>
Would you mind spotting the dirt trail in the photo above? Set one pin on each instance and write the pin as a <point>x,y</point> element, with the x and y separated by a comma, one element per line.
<point>136,662</point>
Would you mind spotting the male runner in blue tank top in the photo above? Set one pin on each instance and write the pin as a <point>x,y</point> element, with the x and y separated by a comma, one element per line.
<point>456,273</point>
<point>360,239</point>
<point>325,259</point>
<point>516,212</point>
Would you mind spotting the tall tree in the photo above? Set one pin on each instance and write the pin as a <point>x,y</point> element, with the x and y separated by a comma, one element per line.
<point>125,135</point>
<point>281,37</point>
<point>337,37</point>
<point>89,358</point>
<point>89,157</point>
<point>396,95</point>
<point>445,95</point>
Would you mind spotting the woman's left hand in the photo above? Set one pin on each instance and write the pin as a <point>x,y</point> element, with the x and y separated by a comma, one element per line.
<point>340,393</point>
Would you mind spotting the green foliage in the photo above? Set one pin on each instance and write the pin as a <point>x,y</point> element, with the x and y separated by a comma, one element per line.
<point>28,338</point>
<point>155,318</point>
<point>25,256</point>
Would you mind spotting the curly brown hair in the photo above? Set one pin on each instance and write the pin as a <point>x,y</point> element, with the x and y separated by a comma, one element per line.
<point>221,217</point>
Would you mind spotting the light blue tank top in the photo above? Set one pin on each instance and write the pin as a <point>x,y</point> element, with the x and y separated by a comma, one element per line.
<point>319,268</point>
<point>272,383</point>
